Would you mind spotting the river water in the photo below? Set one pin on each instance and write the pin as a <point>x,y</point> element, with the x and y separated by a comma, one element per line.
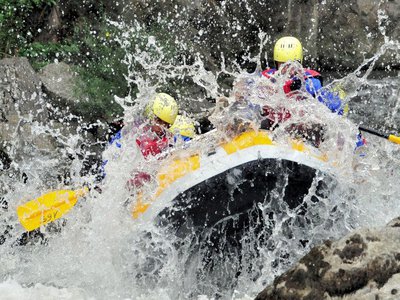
<point>101,253</point>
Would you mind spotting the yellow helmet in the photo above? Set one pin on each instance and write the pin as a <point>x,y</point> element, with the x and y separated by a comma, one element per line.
<point>288,48</point>
<point>162,106</point>
<point>184,126</point>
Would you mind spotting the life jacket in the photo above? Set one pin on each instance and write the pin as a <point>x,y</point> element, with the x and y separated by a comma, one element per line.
<point>151,143</point>
<point>282,114</point>
<point>289,84</point>
<point>149,146</point>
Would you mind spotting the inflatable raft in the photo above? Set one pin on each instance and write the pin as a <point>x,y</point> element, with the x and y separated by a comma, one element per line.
<point>218,192</point>
<point>223,192</point>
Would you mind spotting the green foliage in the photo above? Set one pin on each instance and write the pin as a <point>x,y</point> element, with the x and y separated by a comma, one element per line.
<point>101,73</point>
<point>86,45</point>
<point>14,30</point>
<point>41,54</point>
<point>98,61</point>
<point>87,42</point>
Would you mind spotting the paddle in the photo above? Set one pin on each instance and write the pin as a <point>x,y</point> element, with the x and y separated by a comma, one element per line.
<point>48,207</point>
<point>390,137</point>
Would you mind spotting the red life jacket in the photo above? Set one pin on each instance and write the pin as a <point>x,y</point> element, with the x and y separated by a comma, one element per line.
<point>152,144</point>
<point>269,74</point>
<point>308,73</point>
<point>282,114</point>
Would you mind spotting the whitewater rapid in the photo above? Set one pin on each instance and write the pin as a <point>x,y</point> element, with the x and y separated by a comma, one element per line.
<point>101,253</point>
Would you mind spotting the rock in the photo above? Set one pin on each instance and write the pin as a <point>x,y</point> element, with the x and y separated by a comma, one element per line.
<point>59,83</point>
<point>34,139</point>
<point>19,84</point>
<point>21,101</point>
<point>363,265</point>
<point>389,291</point>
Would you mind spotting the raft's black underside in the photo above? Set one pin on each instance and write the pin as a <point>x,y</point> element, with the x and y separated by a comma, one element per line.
<point>221,210</point>
<point>222,223</point>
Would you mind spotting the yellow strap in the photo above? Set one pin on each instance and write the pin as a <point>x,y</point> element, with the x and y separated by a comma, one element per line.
<point>394,139</point>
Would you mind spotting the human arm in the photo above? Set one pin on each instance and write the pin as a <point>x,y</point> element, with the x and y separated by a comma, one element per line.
<point>323,95</point>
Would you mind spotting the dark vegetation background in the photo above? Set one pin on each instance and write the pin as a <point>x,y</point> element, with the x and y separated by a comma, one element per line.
<point>337,36</point>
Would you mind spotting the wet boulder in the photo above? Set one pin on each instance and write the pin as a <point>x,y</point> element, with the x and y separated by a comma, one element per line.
<point>21,106</point>
<point>59,84</point>
<point>363,265</point>
<point>34,135</point>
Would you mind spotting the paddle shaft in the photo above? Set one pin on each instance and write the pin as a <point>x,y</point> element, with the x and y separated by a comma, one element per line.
<point>390,137</point>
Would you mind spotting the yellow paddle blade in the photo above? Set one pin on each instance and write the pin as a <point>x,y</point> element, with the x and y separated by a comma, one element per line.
<point>394,139</point>
<point>48,207</point>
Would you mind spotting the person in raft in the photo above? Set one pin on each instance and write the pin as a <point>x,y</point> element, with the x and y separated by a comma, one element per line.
<point>161,129</point>
<point>288,49</point>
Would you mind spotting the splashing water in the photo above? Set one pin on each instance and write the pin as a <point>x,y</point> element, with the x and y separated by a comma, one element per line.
<point>99,252</point>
